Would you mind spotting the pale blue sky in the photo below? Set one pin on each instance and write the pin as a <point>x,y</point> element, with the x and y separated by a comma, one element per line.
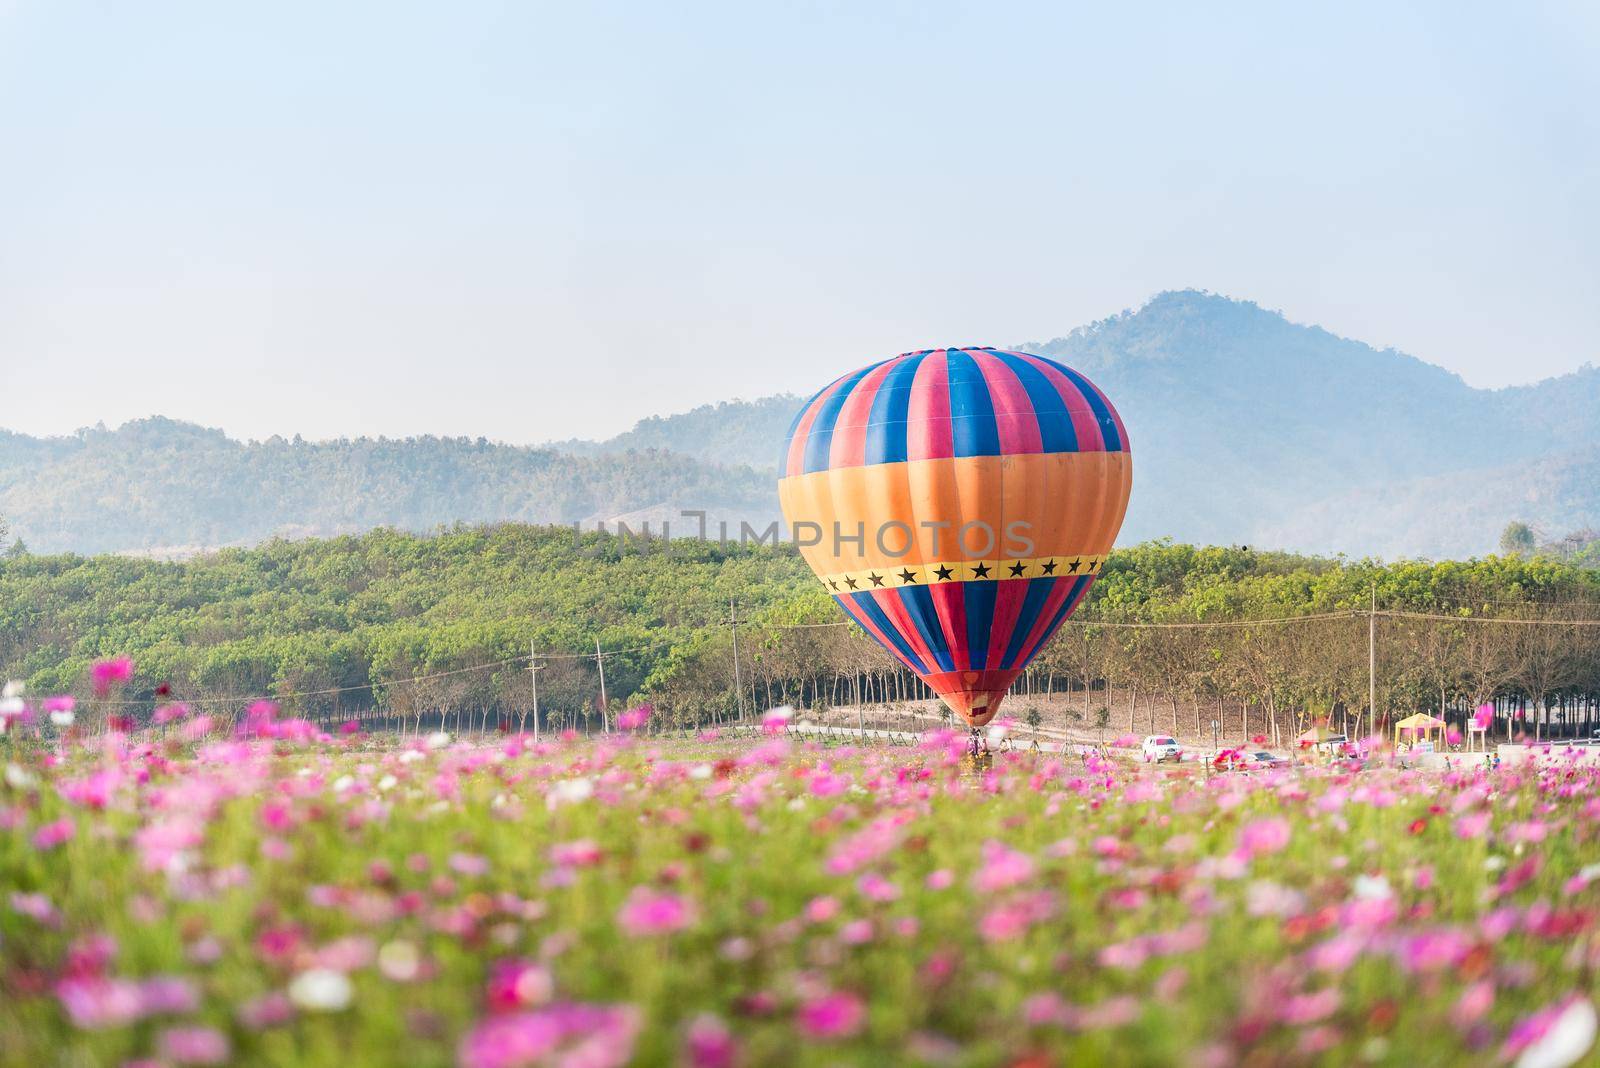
<point>530,221</point>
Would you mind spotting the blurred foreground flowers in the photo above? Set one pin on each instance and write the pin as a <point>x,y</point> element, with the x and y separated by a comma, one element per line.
<point>283,896</point>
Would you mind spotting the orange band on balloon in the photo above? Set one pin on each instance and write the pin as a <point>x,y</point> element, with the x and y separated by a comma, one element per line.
<point>1033,506</point>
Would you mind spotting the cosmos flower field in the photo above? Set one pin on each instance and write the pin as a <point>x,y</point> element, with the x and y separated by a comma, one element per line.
<point>278,896</point>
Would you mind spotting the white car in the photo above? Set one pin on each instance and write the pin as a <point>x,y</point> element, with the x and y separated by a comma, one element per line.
<point>1159,747</point>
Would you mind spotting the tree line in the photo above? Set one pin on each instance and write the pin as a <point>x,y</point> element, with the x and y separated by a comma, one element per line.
<point>424,625</point>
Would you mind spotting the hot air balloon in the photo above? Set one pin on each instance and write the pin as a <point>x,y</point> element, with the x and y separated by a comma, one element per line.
<point>958,504</point>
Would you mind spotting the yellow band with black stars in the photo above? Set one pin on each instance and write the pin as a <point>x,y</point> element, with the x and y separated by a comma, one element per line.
<point>888,578</point>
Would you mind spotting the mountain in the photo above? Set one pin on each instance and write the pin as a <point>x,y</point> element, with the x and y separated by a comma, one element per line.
<point>1246,428</point>
<point>748,433</point>
<point>169,488</point>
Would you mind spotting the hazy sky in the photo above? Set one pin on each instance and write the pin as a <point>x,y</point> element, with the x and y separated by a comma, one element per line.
<point>530,221</point>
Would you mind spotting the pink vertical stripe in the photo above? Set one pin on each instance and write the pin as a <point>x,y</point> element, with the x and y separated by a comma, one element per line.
<point>950,603</point>
<point>1030,650</point>
<point>1122,431</point>
<point>928,433</point>
<point>865,622</point>
<point>889,601</point>
<point>1052,602</point>
<point>1084,423</point>
<point>849,445</point>
<point>1014,416</point>
<point>1007,605</point>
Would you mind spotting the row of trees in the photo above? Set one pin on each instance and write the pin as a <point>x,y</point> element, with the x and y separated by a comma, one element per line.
<point>422,625</point>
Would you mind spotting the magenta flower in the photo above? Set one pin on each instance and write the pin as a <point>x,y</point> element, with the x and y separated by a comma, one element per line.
<point>53,834</point>
<point>1269,835</point>
<point>708,1043</point>
<point>194,1045</point>
<point>634,718</point>
<point>590,1036</point>
<point>653,912</point>
<point>518,984</point>
<point>1002,868</point>
<point>831,1016</point>
<point>108,673</point>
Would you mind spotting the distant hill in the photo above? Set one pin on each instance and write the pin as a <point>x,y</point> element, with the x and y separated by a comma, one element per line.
<point>749,433</point>
<point>171,488</point>
<point>1246,428</point>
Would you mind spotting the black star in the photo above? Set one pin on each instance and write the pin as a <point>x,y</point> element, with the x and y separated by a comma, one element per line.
<point>1048,567</point>
<point>833,584</point>
<point>1018,568</point>
<point>944,573</point>
<point>981,571</point>
<point>877,579</point>
<point>850,582</point>
<point>906,577</point>
<point>1074,568</point>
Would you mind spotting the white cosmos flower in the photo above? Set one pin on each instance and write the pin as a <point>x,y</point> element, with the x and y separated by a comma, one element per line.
<point>438,740</point>
<point>700,772</point>
<point>63,718</point>
<point>388,782</point>
<point>1569,1038</point>
<point>12,689</point>
<point>19,778</point>
<point>1372,888</point>
<point>320,990</point>
<point>410,756</point>
<point>569,791</point>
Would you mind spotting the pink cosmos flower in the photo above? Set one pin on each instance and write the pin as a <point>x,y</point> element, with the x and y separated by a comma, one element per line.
<point>518,984</point>
<point>581,853</point>
<point>708,1043</point>
<point>590,1036</point>
<point>1472,825</point>
<point>831,1016</point>
<point>940,879</point>
<point>822,909</point>
<point>1269,835</point>
<point>1475,1001</point>
<point>634,718</point>
<point>59,703</point>
<point>109,673</point>
<point>1002,868</point>
<point>169,713</point>
<point>654,912</point>
<point>875,887</point>
<point>53,834</point>
<point>194,1045</point>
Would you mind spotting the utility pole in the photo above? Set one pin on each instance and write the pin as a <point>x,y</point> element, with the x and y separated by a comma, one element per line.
<point>738,684</point>
<point>600,662</point>
<point>1372,663</point>
<point>533,674</point>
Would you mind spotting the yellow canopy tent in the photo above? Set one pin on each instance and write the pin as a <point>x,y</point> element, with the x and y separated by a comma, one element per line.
<point>1420,727</point>
<point>1318,739</point>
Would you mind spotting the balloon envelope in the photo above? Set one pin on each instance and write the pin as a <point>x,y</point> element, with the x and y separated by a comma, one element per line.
<point>958,504</point>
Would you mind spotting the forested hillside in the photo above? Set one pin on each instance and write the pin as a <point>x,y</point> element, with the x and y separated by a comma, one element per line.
<point>736,433</point>
<point>173,487</point>
<point>346,623</point>
<point>1246,428</point>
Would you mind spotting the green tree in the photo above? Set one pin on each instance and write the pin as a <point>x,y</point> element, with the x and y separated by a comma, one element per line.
<point>1517,540</point>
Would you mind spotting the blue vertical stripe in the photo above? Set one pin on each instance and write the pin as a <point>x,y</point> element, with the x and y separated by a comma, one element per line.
<point>979,596</point>
<point>1032,604</point>
<point>1102,414</point>
<point>820,440</point>
<point>886,426</point>
<point>971,408</point>
<point>918,601</point>
<point>900,647</point>
<point>1056,432</point>
<point>1080,587</point>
